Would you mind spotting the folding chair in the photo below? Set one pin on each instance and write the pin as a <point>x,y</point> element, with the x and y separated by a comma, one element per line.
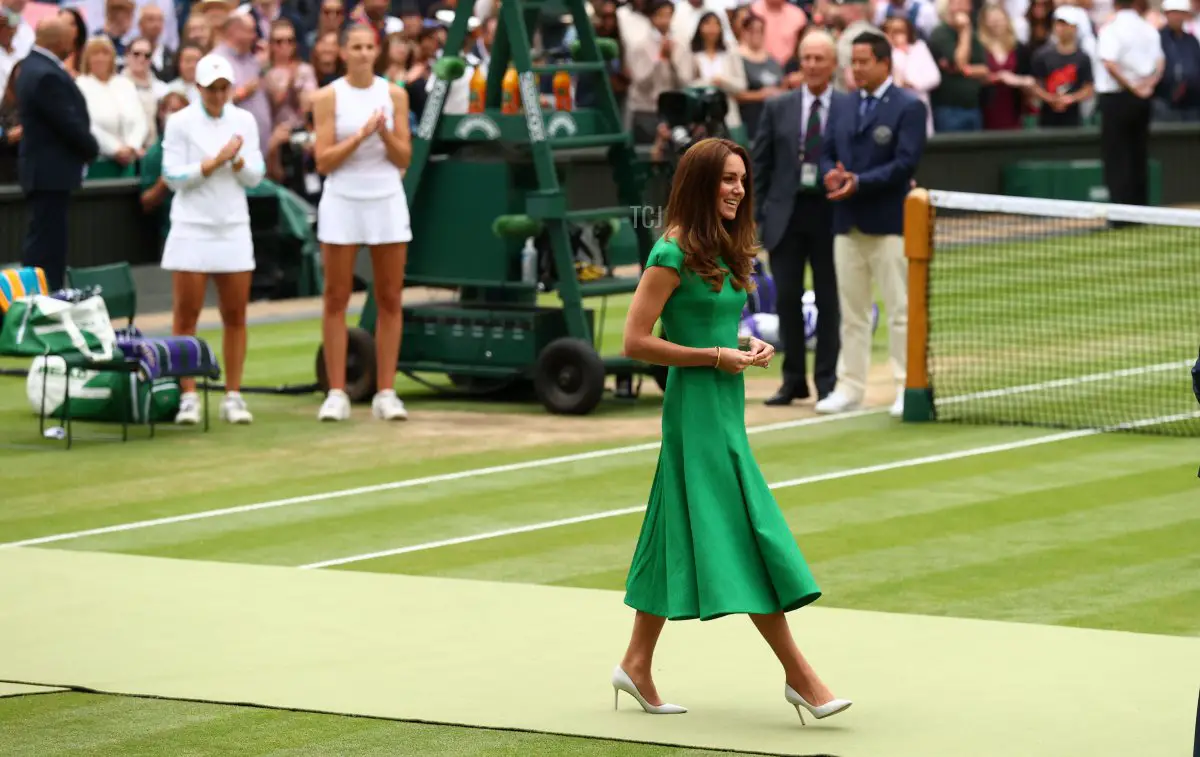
<point>119,292</point>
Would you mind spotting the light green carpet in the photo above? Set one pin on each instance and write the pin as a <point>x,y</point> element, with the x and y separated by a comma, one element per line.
<point>21,689</point>
<point>539,658</point>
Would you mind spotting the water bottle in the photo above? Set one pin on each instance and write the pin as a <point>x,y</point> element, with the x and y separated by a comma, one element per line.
<point>529,261</point>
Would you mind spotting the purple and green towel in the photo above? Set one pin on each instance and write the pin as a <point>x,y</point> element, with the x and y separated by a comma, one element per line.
<point>168,356</point>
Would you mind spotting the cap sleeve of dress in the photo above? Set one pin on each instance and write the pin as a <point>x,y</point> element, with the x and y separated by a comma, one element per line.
<point>666,253</point>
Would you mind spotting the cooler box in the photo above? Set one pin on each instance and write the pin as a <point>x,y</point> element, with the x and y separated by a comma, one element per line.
<point>1081,180</point>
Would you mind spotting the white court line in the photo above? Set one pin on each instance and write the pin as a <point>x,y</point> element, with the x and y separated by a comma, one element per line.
<point>527,465</point>
<point>409,483</point>
<point>1060,383</point>
<point>850,473</point>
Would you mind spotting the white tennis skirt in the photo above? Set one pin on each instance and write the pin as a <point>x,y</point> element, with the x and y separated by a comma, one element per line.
<point>371,221</point>
<point>202,248</point>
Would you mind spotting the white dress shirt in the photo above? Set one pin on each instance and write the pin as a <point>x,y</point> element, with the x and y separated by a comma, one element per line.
<point>879,92</point>
<point>1130,42</point>
<point>191,137</point>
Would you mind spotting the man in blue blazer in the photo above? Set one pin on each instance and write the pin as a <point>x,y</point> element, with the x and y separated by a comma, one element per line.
<point>796,218</point>
<point>875,143</point>
<point>56,146</point>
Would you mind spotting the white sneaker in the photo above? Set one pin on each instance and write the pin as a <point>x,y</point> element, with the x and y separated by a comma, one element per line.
<point>897,410</point>
<point>233,409</point>
<point>836,402</point>
<point>336,406</point>
<point>388,407</point>
<point>189,409</point>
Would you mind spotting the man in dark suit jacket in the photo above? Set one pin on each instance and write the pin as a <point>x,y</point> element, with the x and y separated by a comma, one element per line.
<point>875,144</point>
<point>56,146</point>
<point>795,217</point>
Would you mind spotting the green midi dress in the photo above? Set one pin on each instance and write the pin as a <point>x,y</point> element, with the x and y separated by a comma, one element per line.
<point>713,541</point>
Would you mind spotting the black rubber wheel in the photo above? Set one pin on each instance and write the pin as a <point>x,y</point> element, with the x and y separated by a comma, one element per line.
<point>360,365</point>
<point>501,389</point>
<point>569,377</point>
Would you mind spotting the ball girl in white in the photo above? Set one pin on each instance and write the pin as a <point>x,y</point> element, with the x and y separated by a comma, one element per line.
<point>211,156</point>
<point>362,146</point>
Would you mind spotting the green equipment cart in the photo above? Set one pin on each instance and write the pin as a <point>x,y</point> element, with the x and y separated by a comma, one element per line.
<point>478,183</point>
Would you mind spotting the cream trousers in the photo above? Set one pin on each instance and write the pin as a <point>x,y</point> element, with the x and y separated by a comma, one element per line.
<point>860,260</point>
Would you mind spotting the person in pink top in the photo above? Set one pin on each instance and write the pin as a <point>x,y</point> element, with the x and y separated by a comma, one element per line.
<point>913,66</point>
<point>783,22</point>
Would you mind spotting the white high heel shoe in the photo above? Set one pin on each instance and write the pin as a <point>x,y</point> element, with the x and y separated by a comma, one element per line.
<point>622,682</point>
<point>831,707</point>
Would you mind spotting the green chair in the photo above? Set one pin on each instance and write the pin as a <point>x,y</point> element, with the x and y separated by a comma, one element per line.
<point>119,292</point>
<point>116,365</point>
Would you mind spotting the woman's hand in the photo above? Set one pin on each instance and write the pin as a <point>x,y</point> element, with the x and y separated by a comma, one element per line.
<point>761,352</point>
<point>733,361</point>
<point>372,125</point>
<point>230,149</point>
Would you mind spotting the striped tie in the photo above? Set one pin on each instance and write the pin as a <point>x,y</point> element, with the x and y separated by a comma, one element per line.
<point>812,133</point>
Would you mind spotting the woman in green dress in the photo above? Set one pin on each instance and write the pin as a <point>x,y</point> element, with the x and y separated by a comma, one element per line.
<point>714,541</point>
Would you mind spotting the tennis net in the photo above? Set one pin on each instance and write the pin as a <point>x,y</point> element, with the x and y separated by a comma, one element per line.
<point>1052,313</point>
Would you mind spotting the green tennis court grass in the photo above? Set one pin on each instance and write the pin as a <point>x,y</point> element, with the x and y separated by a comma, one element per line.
<point>1094,531</point>
<point>1103,323</point>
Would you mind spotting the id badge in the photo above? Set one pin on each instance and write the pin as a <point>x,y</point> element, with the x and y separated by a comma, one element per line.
<point>808,175</point>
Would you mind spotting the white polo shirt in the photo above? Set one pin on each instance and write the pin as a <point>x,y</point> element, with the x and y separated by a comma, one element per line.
<point>1130,42</point>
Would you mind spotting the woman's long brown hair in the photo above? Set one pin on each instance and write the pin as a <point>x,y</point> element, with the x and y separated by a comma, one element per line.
<point>703,235</point>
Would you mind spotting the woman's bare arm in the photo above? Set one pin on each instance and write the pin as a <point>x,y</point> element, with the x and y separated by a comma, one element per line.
<point>651,296</point>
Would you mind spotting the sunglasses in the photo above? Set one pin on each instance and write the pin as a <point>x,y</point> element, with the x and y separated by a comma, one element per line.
<point>283,41</point>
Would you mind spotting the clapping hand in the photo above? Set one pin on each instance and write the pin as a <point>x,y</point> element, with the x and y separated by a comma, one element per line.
<point>840,183</point>
<point>835,178</point>
<point>230,150</point>
<point>760,352</point>
<point>382,127</point>
<point>372,125</point>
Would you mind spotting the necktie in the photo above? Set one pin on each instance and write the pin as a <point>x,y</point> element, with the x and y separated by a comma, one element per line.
<point>868,105</point>
<point>812,133</point>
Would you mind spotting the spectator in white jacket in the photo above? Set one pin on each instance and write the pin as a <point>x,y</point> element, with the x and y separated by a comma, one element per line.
<point>211,156</point>
<point>115,109</point>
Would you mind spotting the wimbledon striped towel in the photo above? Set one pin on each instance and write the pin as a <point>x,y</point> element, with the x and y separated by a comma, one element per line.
<point>168,356</point>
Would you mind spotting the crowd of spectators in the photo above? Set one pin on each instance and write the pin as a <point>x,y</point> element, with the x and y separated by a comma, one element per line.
<point>978,64</point>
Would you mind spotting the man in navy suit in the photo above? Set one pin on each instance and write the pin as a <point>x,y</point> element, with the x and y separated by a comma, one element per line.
<point>875,143</point>
<point>796,218</point>
<point>56,146</point>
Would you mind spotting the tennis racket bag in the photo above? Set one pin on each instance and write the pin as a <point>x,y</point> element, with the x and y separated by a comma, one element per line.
<point>103,396</point>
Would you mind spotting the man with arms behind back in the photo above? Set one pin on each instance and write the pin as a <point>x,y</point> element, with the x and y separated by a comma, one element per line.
<point>56,145</point>
<point>875,143</point>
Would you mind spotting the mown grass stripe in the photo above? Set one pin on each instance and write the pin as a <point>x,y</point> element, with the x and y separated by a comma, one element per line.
<point>935,571</point>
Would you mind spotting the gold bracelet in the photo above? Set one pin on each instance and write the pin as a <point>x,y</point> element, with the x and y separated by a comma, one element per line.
<point>718,358</point>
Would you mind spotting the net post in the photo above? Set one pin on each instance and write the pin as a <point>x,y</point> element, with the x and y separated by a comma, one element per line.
<point>918,249</point>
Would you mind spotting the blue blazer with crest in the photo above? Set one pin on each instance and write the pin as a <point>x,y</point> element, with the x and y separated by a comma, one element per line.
<point>883,149</point>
